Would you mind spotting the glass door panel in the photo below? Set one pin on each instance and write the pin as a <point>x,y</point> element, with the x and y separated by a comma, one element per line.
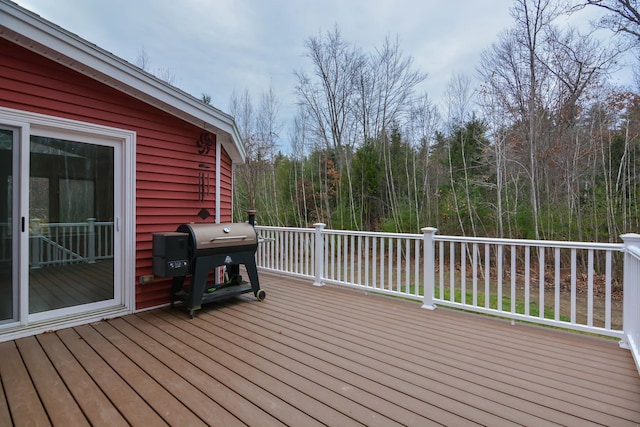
<point>71,234</point>
<point>8,270</point>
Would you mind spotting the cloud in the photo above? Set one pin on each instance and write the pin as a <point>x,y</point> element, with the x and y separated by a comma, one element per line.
<point>216,47</point>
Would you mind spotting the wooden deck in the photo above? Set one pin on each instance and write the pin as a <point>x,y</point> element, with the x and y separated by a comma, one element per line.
<point>315,356</point>
<point>59,286</point>
<point>68,285</point>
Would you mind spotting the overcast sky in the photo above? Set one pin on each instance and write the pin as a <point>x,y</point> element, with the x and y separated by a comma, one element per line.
<point>216,46</point>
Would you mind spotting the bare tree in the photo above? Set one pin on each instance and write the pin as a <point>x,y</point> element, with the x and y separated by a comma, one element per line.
<point>622,16</point>
<point>421,129</point>
<point>328,98</point>
<point>514,68</point>
<point>385,87</point>
<point>459,100</point>
<point>259,130</point>
<point>393,81</point>
<point>298,139</point>
<point>143,61</point>
<point>579,64</point>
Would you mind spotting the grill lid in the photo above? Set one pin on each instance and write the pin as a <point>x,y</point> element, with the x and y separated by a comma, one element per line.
<point>207,236</point>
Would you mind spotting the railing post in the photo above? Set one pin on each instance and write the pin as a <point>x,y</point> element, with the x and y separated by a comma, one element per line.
<point>35,238</point>
<point>319,261</point>
<point>91,239</point>
<point>631,289</point>
<point>429,267</point>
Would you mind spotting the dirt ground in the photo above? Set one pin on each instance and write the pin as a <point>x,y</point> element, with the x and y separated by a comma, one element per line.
<point>582,292</point>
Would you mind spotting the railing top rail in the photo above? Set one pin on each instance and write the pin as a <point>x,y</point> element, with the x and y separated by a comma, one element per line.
<point>535,243</point>
<point>71,224</point>
<point>465,239</point>
<point>373,234</point>
<point>62,224</point>
<point>343,232</point>
<point>273,228</point>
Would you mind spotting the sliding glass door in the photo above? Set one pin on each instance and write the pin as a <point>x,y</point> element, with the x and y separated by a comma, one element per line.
<point>8,225</point>
<point>71,223</point>
<point>64,187</point>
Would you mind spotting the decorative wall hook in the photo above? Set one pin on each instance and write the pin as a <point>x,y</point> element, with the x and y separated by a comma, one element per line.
<point>204,181</point>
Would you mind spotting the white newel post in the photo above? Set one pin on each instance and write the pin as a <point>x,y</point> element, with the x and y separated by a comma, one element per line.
<point>429,267</point>
<point>631,283</point>
<point>91,240</point>
<point>319,261</point>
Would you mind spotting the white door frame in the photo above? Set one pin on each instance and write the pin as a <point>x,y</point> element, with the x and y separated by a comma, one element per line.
<point>124,142</point>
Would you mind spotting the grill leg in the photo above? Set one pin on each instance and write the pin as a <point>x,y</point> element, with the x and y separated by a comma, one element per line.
<point>198,283</point>
<point>176,287</point>
<point>252,271</point>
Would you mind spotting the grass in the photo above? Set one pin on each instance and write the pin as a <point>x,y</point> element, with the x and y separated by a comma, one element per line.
<point>534,308</point>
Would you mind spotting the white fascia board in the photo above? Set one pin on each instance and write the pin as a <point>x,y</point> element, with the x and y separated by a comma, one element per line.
<point>45,38</point>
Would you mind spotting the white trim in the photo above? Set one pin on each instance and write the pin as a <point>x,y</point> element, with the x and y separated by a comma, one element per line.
<point>35,328</point>
<point>124,143</point>
<point>19,251</point>
<point>233,198</point>
<point>23,239</point>
<point>218,203</point>
<point>32,32</point>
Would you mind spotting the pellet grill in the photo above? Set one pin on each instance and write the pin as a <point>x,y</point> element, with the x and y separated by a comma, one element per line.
<point>197,248</point>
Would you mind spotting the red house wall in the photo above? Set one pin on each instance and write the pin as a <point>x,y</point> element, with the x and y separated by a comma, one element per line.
<point>167,160</point>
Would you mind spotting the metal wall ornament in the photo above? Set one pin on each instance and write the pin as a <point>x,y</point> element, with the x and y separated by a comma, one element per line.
<point>205,142</point>
<point>204,181</point>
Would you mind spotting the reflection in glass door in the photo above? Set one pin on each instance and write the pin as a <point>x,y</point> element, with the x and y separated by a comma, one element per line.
<point>71,224</point>
<point>8,284</point>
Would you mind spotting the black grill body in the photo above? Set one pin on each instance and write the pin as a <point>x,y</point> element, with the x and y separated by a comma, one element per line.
<point>208,247</point>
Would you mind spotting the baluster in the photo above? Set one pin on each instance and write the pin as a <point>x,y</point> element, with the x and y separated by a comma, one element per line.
<point>319,255</point>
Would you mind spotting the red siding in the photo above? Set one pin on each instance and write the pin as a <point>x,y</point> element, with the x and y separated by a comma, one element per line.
<point>226,181</point>
<point>167,157</point>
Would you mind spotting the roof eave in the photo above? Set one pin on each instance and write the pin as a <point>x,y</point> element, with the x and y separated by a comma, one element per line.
<point>45,38</point>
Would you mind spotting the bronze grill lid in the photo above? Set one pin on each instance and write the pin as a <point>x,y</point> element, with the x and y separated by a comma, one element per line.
<point>208,236</point>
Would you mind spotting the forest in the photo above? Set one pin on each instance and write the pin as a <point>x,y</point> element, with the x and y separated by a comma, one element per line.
<point>546,146</point>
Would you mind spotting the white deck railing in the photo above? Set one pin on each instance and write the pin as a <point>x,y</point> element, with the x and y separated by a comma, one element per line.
<point>572,285</point>
<point>68,243</point>
<point>631,338</point>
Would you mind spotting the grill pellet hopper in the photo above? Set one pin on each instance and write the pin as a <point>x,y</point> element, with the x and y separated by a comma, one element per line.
<point>198,248</point>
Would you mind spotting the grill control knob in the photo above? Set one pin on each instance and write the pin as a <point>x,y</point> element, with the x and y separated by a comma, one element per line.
<point>226,230</point>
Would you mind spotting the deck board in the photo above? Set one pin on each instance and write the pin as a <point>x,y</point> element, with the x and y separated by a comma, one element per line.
<point>95,405</point>
<point>489,370</point>
<point>415,377</point>
<point>157,397</point>
<point>237,409</point>
<point>316,356</point>
<point>135,410</point>
<point>131,342</point>
<point>369,391</point>
<point>267,394</point>
<point>22,397</point>
<point>324,405</point>
<point>5,414</point>
<point>58,402</point>
<point>296,367</point>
